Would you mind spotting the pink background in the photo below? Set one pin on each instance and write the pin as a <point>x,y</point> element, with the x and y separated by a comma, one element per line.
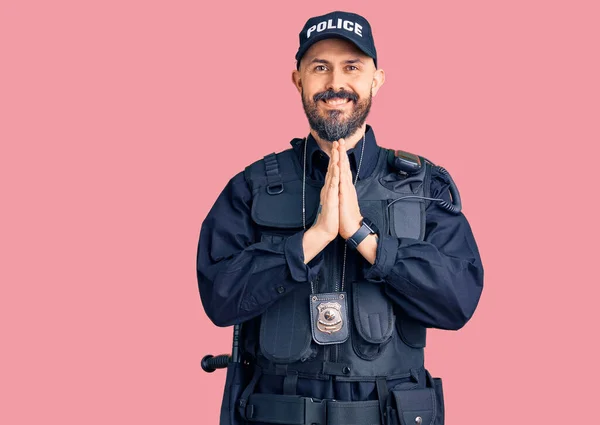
<point>121,121</point>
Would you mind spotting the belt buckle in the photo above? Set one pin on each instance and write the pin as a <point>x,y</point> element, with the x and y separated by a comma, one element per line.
<point>315,411</point>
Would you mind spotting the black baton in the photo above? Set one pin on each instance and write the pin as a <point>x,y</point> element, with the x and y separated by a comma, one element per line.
<point>211,363</point>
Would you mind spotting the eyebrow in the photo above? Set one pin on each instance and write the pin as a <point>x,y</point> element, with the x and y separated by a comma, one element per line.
<point>350,61</point>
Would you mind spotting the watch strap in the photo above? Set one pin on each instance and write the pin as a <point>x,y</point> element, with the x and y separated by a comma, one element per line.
<point>359,236</point>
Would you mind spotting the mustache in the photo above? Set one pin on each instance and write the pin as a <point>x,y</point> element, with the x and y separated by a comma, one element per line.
<point>330,94</point>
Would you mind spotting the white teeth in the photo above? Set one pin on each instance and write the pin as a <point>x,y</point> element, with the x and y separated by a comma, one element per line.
<point>336,101</point>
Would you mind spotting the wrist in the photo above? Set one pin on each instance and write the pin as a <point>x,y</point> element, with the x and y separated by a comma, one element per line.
<point>352,230</point>
<point>321,234</point>
<point>367,228</point>
<point>314,241</point>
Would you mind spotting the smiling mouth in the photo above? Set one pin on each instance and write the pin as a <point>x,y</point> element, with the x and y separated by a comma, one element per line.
<point>336,101</point>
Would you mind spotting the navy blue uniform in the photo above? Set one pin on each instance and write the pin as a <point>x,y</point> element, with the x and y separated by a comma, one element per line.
<point>436,282</point>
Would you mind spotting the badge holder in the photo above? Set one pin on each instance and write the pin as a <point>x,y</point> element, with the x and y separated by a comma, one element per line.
<point>329,318</point>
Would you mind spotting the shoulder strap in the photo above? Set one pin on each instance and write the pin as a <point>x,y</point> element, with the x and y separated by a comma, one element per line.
<point>270,172</point>
<point>274,182</point>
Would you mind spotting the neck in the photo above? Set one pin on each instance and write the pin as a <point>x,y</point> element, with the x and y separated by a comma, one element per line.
<point>351,141</point>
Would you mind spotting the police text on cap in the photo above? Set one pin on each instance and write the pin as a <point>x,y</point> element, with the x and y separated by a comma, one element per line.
<point>341,24</point>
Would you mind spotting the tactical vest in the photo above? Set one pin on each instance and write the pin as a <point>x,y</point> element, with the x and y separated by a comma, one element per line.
<point>382,341</point>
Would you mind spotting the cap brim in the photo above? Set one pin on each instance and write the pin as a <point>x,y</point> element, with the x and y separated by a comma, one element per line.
<point>320,37</point>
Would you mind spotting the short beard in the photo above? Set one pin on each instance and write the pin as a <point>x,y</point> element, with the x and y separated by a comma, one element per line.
<point>333,127</point>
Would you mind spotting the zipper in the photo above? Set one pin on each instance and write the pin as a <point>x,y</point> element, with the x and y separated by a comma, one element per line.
<point>335,266</point>
<point>336,288</point>
<point>331,284</point>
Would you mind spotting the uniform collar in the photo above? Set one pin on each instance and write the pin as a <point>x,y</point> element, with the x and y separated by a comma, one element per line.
<point>317,160</point>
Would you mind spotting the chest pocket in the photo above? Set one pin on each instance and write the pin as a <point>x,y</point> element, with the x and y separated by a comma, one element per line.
<point>373,320</point>
<point>405,211</point>
<point>285,335</point>
<point>284,210</point>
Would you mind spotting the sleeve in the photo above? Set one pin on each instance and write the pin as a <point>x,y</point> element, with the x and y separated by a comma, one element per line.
<point>437,281</point>
<point>238,275</point>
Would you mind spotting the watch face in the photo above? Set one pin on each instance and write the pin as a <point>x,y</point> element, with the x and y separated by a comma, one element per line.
<point>370,225</point>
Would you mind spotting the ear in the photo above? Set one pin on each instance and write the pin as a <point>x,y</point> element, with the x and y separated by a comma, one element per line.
<point>378,80</point>
<point>297,80</point>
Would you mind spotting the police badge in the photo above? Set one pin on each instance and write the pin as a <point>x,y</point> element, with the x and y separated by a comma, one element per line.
<point>329,317</point>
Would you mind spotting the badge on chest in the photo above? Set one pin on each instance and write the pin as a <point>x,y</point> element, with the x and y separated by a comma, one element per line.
<point>329,318</point>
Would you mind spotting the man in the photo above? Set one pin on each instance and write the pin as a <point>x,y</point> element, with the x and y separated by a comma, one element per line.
<point>336,255</point>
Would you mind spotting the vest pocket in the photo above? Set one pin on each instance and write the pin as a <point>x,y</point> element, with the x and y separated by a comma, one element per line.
<point>412,333</point>
<point>422,406</point>
<point>415,407</point>
<point>439,393</point>
<point>373,320</point>
<point>285,329</point>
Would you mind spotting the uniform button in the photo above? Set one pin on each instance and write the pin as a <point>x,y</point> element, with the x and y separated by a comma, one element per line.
<point>346,370</point>
<point>418,420</point>
<point>280,289</point>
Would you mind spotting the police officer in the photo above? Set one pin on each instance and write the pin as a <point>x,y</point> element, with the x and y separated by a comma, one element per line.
<point>335,256</point>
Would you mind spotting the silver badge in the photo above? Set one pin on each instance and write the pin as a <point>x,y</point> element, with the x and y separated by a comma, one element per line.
<point>330,317</point>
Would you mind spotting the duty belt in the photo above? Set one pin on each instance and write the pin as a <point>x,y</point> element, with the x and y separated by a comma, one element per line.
<point>296,410</point>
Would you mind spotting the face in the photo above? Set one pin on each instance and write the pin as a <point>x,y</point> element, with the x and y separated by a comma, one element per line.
<point>337,82</point>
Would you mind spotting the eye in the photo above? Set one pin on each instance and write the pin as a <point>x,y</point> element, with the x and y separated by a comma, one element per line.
<point>320,68</point>
<point>352,68</point>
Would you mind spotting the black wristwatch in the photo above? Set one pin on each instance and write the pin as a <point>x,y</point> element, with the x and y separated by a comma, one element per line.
<point>367,228</point>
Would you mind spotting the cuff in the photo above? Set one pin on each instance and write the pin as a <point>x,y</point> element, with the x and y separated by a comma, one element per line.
<point>294,256</point>
<point>385,258</point>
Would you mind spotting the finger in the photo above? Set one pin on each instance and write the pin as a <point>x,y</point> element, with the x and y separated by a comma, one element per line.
<point>343,190</point>
<point>334,181</point>
<point>339,156</point>
<point>336,168</point>
<point>325,197</point>
<point>344,182</point>
<point>335,154</point>
<point>330,165</point>
<point>328,174</point>
<point>332,197</point>
<point>345,156</point>
<point>346,173</point>
<point>334,147</point>
<point>339,152</point>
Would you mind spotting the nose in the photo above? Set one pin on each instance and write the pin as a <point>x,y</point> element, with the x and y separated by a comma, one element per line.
<point>336,80</point>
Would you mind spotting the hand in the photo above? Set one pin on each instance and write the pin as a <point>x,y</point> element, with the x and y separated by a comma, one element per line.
<point>350,217</point>
<point>327,221</point>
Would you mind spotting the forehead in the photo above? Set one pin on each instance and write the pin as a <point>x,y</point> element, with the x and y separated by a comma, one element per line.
<point>333,49</point>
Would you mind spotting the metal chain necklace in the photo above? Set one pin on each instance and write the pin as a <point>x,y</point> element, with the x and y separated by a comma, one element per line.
<point>362,152</point>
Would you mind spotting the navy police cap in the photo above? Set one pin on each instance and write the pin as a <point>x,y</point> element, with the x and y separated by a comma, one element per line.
<point>349,26</point>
